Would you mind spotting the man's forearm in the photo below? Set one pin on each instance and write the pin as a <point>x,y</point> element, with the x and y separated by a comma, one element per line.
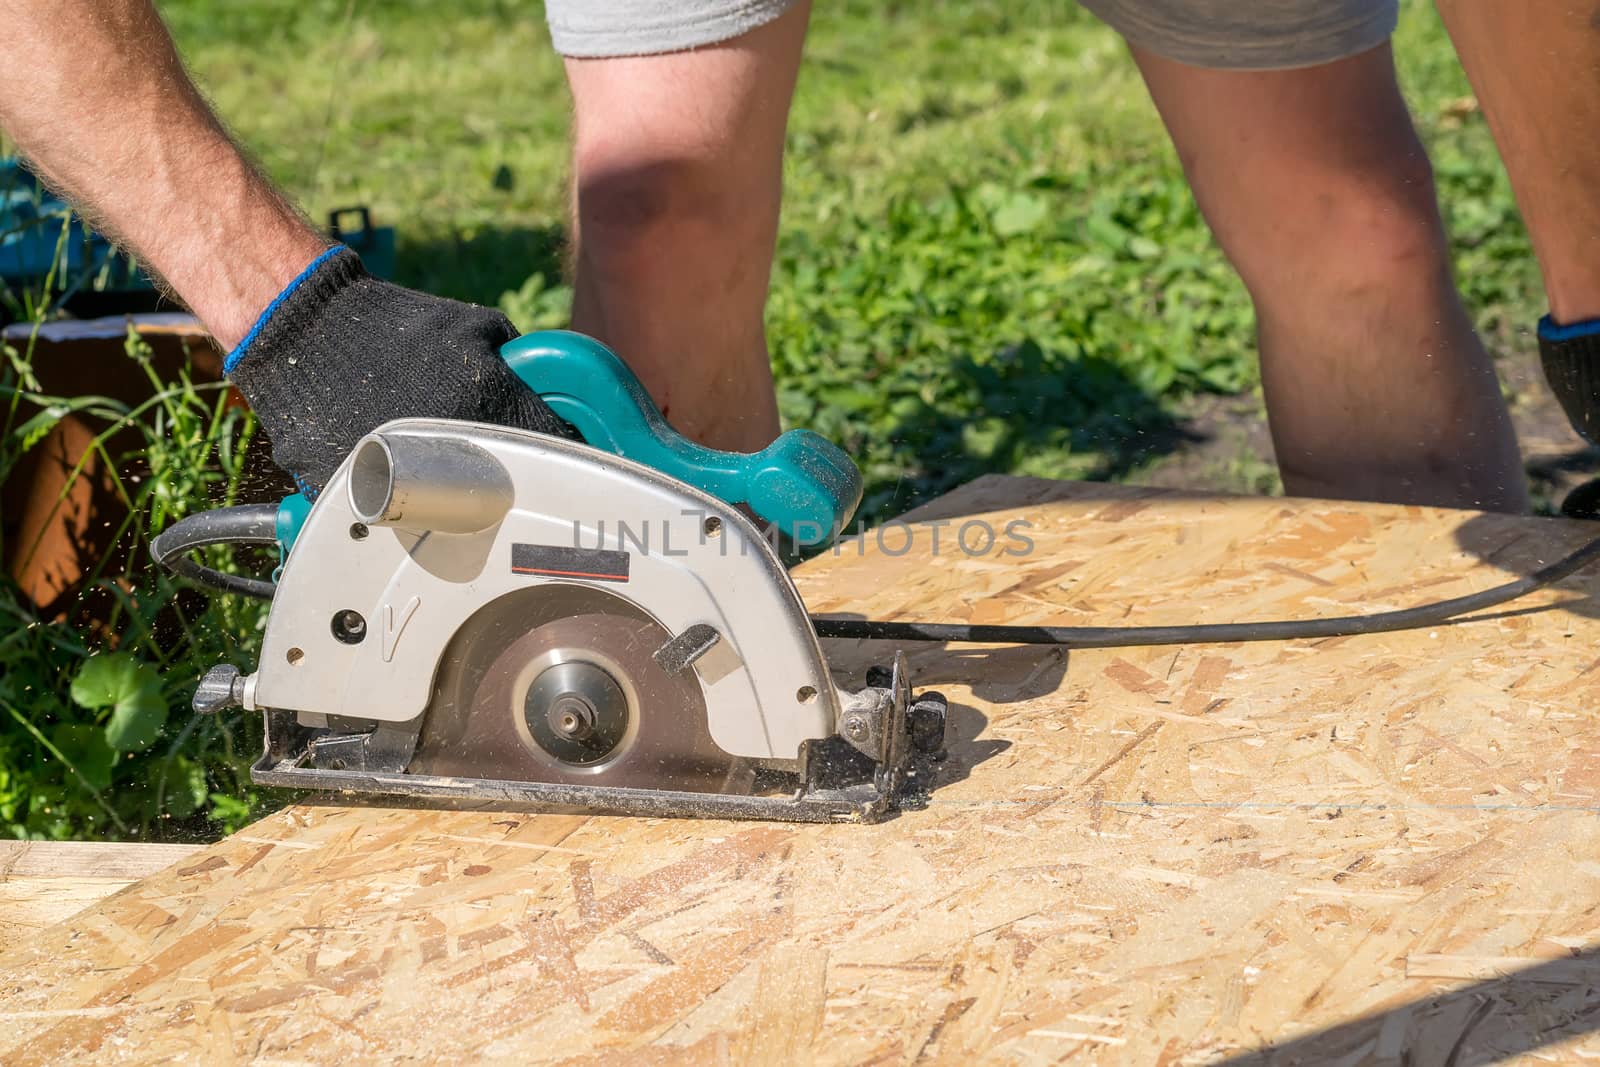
<point>94,94</point>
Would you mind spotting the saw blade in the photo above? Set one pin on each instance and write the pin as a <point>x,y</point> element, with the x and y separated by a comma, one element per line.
<point>576,699</point>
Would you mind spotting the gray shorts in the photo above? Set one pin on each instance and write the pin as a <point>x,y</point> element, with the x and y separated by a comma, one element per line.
<point>1251,34</point>
<point>593,28</point>
<point>1223,34</point>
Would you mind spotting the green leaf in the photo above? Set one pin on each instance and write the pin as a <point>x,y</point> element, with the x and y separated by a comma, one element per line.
<point>86,750</point>
<point>131,689</point>
<point>1020,213</point>
<point>1107,231</point>
<point>186,788</point>
<point>230,811</point>
<point>30,432</point>
<point>850,398</point>
<point>1143,248</point>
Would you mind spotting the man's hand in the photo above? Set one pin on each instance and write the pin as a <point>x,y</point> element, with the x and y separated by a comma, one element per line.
<point>338,353</point>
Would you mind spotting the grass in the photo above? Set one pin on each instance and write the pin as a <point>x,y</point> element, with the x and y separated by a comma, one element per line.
<point>989,261</point>
<point>96,735</point>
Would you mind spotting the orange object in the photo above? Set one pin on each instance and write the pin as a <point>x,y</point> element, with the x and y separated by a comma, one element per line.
<point>58,525</point>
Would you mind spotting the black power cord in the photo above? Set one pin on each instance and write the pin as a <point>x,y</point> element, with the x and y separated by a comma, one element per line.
<point>1433,614</point>
<point>257,524</point>
<point>246,524</point>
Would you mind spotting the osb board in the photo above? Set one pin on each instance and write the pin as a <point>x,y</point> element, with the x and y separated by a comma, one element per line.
<point>43,882</point>
<point>1349,848</point>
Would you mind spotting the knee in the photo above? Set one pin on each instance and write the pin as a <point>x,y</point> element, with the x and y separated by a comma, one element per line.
<point>1385,226</point>
<point>1370,231</point>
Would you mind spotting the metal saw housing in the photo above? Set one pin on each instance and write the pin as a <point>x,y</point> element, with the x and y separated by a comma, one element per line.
<point>399,638</point>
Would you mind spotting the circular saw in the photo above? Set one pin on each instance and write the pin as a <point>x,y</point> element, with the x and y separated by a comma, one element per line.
<point>478,614</point>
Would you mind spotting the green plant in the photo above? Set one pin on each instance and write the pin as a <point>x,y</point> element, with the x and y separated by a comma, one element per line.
<point>1032,327</point>
<point>96,737</point>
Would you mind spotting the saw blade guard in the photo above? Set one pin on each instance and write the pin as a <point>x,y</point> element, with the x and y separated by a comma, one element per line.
<point>434,533</point>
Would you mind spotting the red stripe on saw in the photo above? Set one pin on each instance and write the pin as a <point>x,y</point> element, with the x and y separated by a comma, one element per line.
<point>570,574</point>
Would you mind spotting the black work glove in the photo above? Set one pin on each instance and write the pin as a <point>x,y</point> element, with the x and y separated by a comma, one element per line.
<point>1571,358</point>
<point>339,353</point>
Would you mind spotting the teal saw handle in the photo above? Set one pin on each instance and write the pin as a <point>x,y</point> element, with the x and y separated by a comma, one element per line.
<point>802,483</point>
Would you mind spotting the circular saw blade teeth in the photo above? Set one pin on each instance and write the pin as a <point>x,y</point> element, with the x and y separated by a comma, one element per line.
<point>480,723</point>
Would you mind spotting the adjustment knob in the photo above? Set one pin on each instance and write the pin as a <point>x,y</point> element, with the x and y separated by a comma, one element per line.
<point>221,688</point>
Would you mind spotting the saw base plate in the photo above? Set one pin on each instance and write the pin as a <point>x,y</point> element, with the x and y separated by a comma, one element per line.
<point>835,782</point>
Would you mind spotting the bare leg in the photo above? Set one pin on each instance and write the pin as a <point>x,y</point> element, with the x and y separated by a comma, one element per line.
<point>1536,68</point>
<point>1320,193</point>
<point>678,169</point>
